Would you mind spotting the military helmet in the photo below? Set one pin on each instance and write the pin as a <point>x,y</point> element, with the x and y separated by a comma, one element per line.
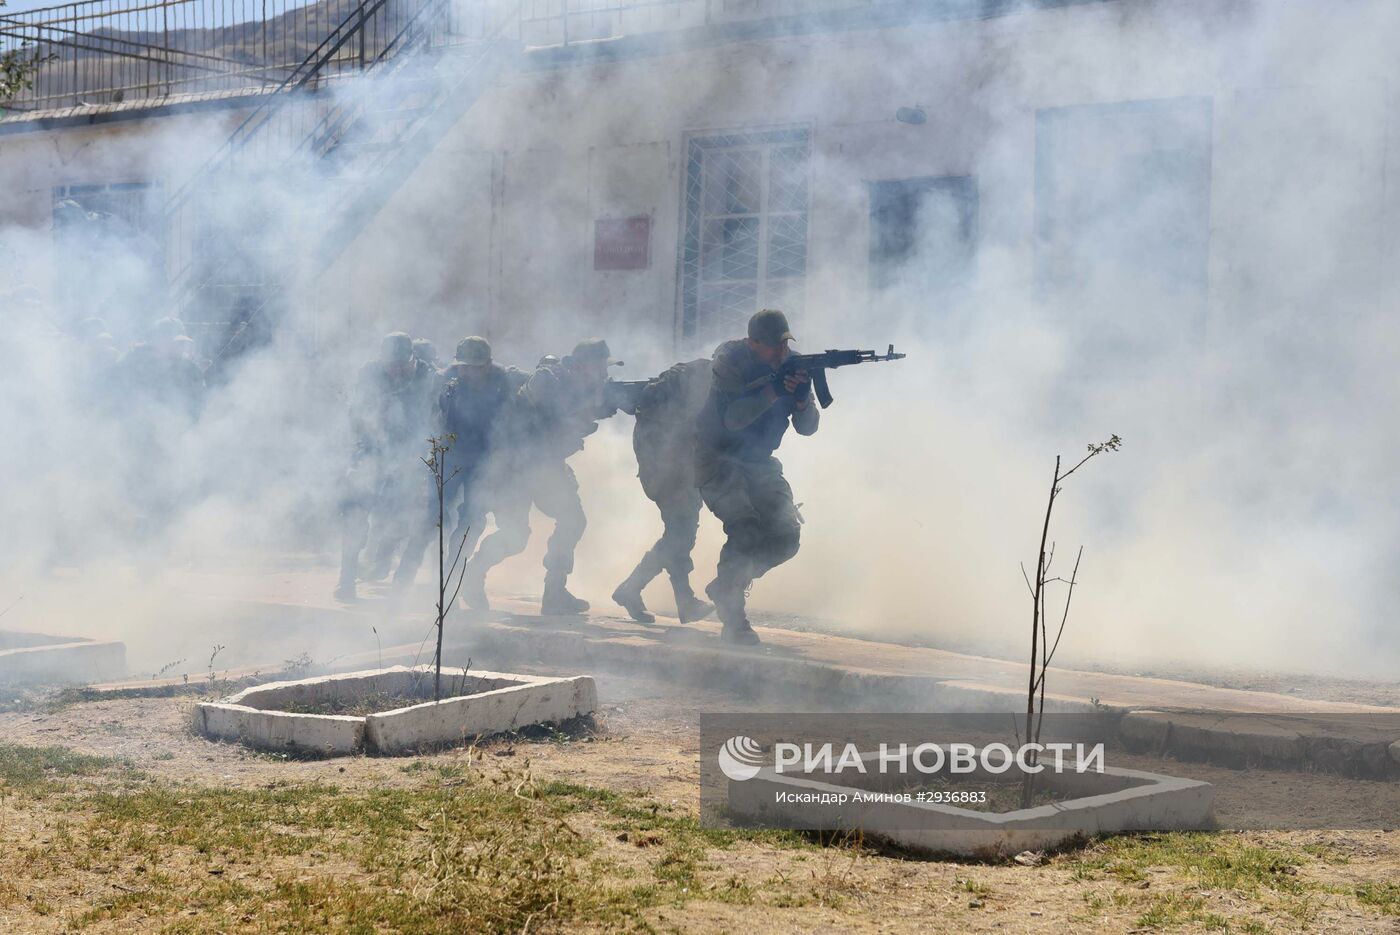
<point>548,360</point>
<point>396,347</point>
<point>424,350</point>
<point>474,350</point>
<point>167,329</point>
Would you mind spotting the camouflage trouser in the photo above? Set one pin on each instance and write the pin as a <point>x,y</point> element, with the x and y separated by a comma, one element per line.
<point>373,486</point>
<point>553,489</point>
<point>680,518</point>
<point>461,478</point>
<point>761,524</point>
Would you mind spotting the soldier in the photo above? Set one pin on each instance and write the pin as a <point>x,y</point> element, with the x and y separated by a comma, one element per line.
<point>425,353</point>
<point>161,370</point>
<point>97,350</point>
<point>547,422</point>
<point>740,480</point>
<point>474,391</point>
<point>389,418</point>
<point>664,440</point>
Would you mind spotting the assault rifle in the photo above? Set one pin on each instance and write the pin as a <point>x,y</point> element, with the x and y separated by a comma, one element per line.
<point>817,365</point>
<point>623,394</point>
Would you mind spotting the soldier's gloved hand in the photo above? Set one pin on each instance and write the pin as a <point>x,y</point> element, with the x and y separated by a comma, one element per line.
<point>798,385</point>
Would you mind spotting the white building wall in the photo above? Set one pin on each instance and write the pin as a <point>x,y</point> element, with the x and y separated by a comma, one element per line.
<point>496,226</point>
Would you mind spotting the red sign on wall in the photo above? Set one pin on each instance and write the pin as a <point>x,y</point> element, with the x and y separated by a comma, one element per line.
<point>622,243</point>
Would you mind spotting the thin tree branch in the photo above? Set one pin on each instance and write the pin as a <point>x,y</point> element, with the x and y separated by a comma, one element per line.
<point>1074,577</point>
<point>462,574</point>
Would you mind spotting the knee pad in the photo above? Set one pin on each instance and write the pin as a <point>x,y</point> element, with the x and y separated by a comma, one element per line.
<point>785,547</point>
<point>783,539</point>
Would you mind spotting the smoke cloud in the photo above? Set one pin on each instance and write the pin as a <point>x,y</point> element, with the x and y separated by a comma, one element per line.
<point>1182,222</point>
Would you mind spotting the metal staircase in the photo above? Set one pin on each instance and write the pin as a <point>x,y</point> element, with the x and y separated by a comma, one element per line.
<point>298,180</point>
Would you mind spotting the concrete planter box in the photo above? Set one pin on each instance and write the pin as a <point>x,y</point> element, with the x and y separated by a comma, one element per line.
<point>1100,802</point>
<point>70,660</point>
<point>482,703</point>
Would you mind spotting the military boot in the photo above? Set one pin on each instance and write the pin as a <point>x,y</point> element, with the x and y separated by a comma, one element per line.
<point>474,587</point>
<point>557,601</point>
<point>689,608</point>
<point>381,562</point>
<point>628,595</point>
<point>349,572</point>
<point>345,590</point>
<point>729,606</point>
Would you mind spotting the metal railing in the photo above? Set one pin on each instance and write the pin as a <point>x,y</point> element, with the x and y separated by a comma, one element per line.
<point>97,52</point>
<point>565,22</point>
<point>231,224</point>
<point>113,51</point>
<point>286,132</point>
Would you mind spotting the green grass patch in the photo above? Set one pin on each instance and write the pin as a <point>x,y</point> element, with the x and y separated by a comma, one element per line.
<point>635,813</point>
<point>457,851</point>
<point>31,768</point>
<point>1211,861</point>
<point>1384,897</point>
<point>1266,877</point>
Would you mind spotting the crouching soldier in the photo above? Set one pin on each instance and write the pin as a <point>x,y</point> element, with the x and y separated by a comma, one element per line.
<point>664,440</point>
<point>545,424</point>
<point>389,415</point>
<point>740,426</point>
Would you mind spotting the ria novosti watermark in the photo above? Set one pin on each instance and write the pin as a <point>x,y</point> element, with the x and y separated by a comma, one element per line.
<point>741,758</point>
<point>923,770</point>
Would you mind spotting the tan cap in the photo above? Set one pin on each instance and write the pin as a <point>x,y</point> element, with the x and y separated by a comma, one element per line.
<point>770,327</point>
<point>595,349</point>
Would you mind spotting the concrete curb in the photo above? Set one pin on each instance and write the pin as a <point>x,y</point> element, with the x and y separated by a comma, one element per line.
<point>68,660</point>
<point>498,701</point>
<point>1359,747</point>
<point>1114,800</point>
<point>1361,744</point>
<point>322,734</point>
<point>539,701</point>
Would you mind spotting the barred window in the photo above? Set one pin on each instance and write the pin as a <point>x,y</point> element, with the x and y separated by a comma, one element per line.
<point>92,225</point>
<point>744,242</point>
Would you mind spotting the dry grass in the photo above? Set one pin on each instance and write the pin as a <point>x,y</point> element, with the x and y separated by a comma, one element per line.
<point>474,843</point>
<point>457,851</point>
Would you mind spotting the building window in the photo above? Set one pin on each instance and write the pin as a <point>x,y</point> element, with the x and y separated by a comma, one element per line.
<point>116,233</point>
<point>1122,217</point>
<point>923,233</point>
<point>744,241</point>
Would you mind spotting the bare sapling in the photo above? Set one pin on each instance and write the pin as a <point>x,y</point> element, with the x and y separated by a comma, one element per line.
<point>1042,649</point>
<point>218,648</point>
<point>436,462</point>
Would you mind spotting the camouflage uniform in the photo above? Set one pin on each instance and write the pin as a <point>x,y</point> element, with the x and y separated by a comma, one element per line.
<point>389,418</point>
<point>160,397</point>
<point>546,422</point>
<point>474,392</point>
<point>161,374</point>
<point>741,482</point>
<point>664,440</point>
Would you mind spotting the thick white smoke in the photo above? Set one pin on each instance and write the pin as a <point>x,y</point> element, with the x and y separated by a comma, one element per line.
<point>1246,522</point>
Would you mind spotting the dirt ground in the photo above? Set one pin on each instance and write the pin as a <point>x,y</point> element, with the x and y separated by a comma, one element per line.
<point>85,848</point>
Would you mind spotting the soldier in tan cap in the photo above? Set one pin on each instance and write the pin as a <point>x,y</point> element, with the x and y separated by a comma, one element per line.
<point>739,428</point>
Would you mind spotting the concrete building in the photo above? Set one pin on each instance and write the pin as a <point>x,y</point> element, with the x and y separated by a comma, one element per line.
<point>1144,171</point>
